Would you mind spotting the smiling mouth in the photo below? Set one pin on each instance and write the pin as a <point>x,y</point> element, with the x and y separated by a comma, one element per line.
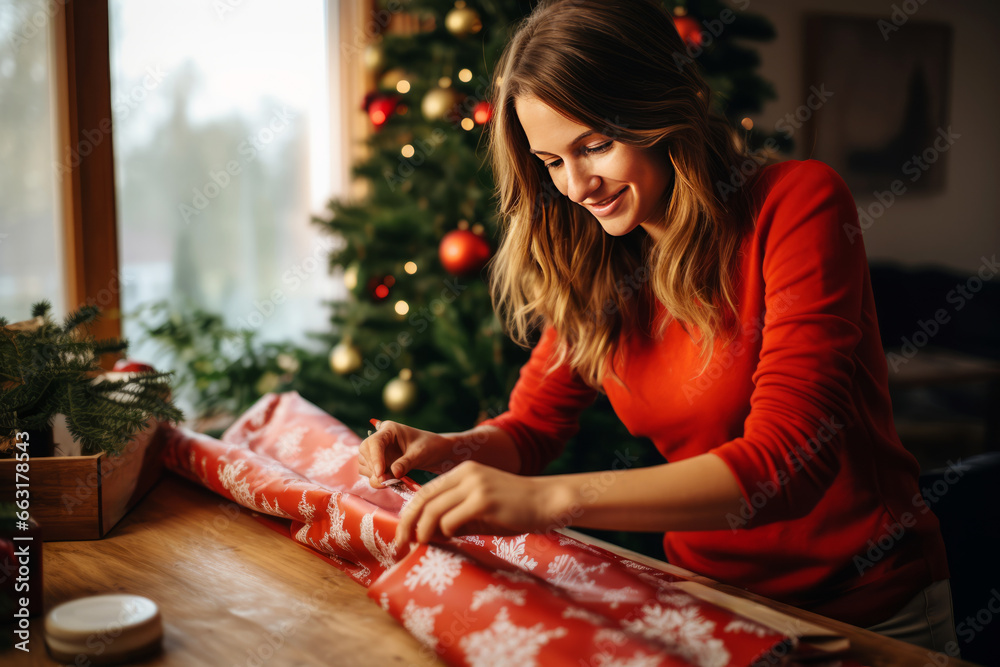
<point>602,204</point>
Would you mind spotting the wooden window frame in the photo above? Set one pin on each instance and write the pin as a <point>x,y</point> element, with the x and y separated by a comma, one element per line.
<point>85,159</point>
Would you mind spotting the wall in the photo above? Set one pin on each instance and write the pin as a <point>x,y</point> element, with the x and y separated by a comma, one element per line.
<point>954,228</point>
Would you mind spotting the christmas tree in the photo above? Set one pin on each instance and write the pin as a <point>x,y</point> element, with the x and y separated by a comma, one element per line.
<point>419,342</point>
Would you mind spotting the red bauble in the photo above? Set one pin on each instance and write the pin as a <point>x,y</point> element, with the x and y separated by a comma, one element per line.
<point>463,252</point>
<point>380,107</point>
<point>131,366</point>
<point>482,112</point>
<point>689,30</point>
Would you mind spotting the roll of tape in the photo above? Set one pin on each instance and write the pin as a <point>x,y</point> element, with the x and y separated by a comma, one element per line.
<point>105,629</point>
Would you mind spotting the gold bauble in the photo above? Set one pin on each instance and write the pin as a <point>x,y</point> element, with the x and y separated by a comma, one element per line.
<point>374,57</point>
<point>463,21</point>
<point>345,358</point>
<point>400,393</point>
<point>437,103</point>
<point>267,383</point>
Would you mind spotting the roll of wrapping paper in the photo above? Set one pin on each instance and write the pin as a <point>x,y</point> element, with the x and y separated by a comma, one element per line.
<point>545,599</point>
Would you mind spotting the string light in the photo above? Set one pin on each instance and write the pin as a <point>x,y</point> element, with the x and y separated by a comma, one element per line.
<point>402,308</point>
<point>351,277</point>
<point>467,124</point>
<point>381,291</point>
<point>410,267</point>
<point>444,82</point>
<point>465,75</point>
<point>407,150</point>
<point>389,281</point>
<point>403,86</point>
<point>747,124</point>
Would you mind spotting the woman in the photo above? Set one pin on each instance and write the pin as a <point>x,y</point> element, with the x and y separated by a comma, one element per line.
<point>730,322</point>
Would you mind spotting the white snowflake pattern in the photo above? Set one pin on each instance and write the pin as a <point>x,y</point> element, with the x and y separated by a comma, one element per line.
<point>667,591</point>
<point>252,420</point>
<point>329,461</point>
<point>515,576</point>
<point>306,513</point>
<point>420,622</point>
<point>652,579</point>
<point>290,442</point>
<point>504,644</point>
<point>638,659</point>
<point>673,597</point>
<point>615,596</point>
<point>436,570</point>
<point>258,412</point>
<point>684,631</point>
<point>230,477</point>
<point>383,601</point>
<point>384,553</point>
<point>361,486</point>
<point>513,552</point>
<point>193,466</point>
<point>363,575</point>
<point>273,510</point>
<point>577,544</point>
<point>566,571</point>
<point>496,592</point>
<point>741,625</point>
<point>403,493</point>
<point>306,510</point>
<point>337,531</point>
<point>634,565</point>
<point>610,636</point>
<point>572,611</point>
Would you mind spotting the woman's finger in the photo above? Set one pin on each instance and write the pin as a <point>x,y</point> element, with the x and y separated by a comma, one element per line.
<point>428,524</point>
<point>412,511</point>
<point>376,462</point>
<point>451,522</point>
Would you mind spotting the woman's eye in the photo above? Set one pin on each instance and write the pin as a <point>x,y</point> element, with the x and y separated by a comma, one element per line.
<point>589,150</point>
<point>600,149</point>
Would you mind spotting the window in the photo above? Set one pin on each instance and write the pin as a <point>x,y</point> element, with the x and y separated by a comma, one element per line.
<point>30,220</point>
<point>225,144</point>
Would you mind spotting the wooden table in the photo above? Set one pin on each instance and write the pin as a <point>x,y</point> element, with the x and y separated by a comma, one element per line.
<point>234,592</point>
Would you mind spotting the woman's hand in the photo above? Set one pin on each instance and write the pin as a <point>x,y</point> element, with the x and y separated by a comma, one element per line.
<point>395,449</point>
<point>475,499</point>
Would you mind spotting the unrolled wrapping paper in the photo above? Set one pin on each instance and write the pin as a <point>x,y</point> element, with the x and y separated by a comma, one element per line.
<point>533,599</point>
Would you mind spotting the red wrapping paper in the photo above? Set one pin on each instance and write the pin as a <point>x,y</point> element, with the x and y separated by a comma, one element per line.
<point>544,599</point>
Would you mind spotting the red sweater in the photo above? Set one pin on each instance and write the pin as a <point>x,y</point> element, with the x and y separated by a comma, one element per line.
<point>797,407</point>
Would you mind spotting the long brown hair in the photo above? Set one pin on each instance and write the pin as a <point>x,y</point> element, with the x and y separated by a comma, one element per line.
<point>620,68</point>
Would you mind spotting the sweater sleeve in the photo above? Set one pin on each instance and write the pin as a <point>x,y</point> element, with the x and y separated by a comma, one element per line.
<point>813,271</point>
<point>543,411</point>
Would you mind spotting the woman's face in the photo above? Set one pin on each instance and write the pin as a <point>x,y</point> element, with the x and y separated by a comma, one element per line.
<point>592,168</point>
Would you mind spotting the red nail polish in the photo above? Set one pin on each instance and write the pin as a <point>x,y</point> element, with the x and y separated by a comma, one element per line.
<point>374,422</point>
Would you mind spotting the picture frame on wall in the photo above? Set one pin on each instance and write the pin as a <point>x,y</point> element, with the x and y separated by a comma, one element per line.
<point>883,117</point>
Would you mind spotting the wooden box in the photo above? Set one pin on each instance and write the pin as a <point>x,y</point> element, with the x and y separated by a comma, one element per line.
<point>83,497</point>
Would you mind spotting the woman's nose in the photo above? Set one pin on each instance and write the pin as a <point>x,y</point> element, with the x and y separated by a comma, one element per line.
<point>580,183</point>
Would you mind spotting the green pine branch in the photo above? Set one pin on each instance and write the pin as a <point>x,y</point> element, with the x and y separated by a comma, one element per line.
<point>47,369</point>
